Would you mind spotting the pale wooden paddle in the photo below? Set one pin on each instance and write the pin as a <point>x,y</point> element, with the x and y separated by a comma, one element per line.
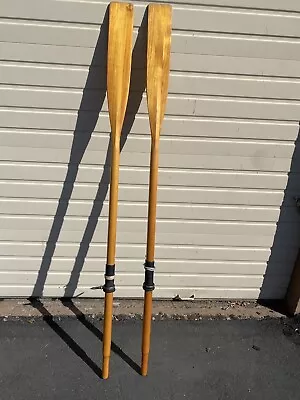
<point>158,68</point>
<point>118,79</point>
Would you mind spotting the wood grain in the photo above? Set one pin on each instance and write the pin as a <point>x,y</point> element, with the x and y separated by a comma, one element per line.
<point>158,69</point>
<point>158,63</point>
<point>118,80</point>
<point>119,63</point>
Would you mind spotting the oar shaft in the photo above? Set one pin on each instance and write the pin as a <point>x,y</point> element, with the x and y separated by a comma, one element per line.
<point>158,67</point>
<point>118,80</point>
<point>149,263</point>
<point>107,330</point>
<point>152,200</point>
<point>146,332</point>
<point>109,286</point>
<point>113,201</point>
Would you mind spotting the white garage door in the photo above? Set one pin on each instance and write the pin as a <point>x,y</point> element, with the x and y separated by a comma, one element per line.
<point>229,170</point>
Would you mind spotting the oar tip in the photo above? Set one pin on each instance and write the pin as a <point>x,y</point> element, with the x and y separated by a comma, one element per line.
<point>117,4</point>
<point>159,7</point>
<point>105,368</point>
<point>144,367</point>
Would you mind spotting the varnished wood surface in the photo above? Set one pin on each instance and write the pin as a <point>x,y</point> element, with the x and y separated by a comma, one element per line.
<point>158,63</point>
<point>107,329</point>
<point>118,80</point>
<point>158,69</point>
<point>147,317</point>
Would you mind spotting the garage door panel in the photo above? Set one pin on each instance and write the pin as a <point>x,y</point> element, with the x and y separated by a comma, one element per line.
<point>140,193</point>
<point>138,225</point>
<point>85,208</point>
<point>125,251</point>
<point>132,175</point>
<point>141,144</point>
<point>70,55</point>
<point>184,18</point>
<point>100,235</point>
<point>135,292</point>
<point>187,106</point>
<point>168,161</point>
<point>173,126</point>
<point>168,280</point>
<point>227,225</point>
<point>210,43</point>
<point>32,79</point>
<point>136,266</point>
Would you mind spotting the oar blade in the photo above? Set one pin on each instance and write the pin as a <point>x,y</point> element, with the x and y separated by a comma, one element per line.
<point>158,63</point>
<point>119,62</point>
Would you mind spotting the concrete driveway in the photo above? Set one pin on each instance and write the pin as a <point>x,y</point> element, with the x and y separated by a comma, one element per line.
<point>210,359</point>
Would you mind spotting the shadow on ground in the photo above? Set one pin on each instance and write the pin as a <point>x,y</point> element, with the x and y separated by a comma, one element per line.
<point>48,318</point>
<point>204,359</point>
<point>71,343</point>
<point>88,113</point>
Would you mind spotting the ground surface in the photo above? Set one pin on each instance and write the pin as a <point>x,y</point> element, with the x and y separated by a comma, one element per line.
<point>167,308</point>
<point>59,358</point>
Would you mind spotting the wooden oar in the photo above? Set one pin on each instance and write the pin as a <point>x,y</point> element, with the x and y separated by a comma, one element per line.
<point>158,67</point>
<point>118,79</point>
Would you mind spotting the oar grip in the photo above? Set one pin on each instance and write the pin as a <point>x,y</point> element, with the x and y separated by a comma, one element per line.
<point>109,285</point>
<point>149,285</point>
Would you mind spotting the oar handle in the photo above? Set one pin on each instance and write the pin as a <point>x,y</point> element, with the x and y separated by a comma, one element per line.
<point>147,317</point>
<point>107,329</point>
